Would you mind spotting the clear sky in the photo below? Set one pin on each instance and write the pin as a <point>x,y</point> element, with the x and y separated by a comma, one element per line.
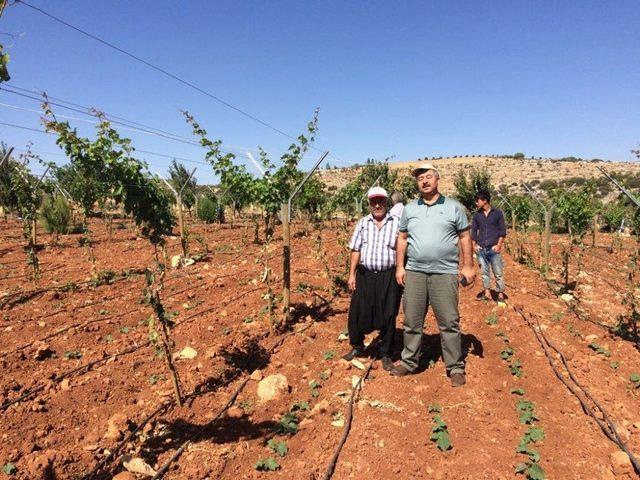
<point>403,79</point>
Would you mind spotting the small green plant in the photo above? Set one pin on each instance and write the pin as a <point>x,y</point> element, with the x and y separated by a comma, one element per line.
<point>434,408</point>
<point>440,434</point>
<point>557,316</point>
<point>526,412</point>
<point>288,424</point>
<point>635,379</point>
<point>518,391</point>
<point>9,468</point>
<point>124,330</point>
<point>516,368</point>
<point>72,354</point>
<point>531,470</point>
<point>614,365</point>
<point>247,320</point>
<point>301,405</point>
<point>329,355</point>
<point>267,465</point>
<point>507,353</point>
<point>599,349</point>
<point>155,378</point>
<point>324,376</point>
<point>491,319</point>
<point>314,386</point>
<point>279,448</point>
<point>108,338</point>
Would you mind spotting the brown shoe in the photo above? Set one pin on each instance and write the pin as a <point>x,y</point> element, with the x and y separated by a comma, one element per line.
<point>387,363</point>
<point>399,371</point>
<point>458,379</point>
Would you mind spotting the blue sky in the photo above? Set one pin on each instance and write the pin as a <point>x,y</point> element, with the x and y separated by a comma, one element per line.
<point>402,79</point>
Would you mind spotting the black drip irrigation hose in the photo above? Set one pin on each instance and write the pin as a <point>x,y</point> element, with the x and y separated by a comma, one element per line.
<point>347,424</point>
<point>607,427</point>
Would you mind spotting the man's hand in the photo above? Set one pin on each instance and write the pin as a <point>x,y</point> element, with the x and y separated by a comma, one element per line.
<point>400,275</point>
<point>351,282</point>
<point>469,273</point>
<point>497,248</point>
<point>476,247</point>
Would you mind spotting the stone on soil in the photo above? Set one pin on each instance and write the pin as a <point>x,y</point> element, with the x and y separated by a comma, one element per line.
<point>273,387</point>
<point>175,261</point>
<point>124,476</point>
<point>138,465</point>
<point>188,353</point>
<point>621,463</point>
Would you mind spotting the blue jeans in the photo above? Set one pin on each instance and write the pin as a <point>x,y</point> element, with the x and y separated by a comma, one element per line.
<point>487,258</point>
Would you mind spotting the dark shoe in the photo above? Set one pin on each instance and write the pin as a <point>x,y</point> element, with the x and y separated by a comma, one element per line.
<point>399,371</point>
<point>458,379</point>
<point>387,363</point>
<point>355,352</point>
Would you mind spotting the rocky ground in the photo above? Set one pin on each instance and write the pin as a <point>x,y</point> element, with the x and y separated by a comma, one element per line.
<point>94,387</point>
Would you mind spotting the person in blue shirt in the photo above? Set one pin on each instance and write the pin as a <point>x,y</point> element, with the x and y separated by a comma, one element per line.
<point>435,242</point>
<point>488,232</point>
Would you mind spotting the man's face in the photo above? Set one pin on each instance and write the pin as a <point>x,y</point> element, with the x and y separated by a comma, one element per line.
<point>427,182</point>
<point>480,203</point>
<point>378,207</point>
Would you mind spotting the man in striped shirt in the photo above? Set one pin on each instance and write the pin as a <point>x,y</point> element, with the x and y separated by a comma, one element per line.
<point>375,300</point>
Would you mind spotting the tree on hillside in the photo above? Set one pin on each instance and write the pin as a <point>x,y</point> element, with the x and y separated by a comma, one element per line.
<point>467,186</point>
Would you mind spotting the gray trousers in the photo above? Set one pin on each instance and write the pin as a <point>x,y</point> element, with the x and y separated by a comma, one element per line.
<point>440,290</point>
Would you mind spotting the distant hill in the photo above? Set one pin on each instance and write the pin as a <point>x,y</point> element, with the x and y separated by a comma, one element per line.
<point>506,171</point>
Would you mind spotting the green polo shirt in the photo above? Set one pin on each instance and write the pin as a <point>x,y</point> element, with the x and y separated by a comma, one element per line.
<point>432,232</point>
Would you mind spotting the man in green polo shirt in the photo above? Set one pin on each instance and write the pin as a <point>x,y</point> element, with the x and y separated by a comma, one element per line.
<point>431,230</point>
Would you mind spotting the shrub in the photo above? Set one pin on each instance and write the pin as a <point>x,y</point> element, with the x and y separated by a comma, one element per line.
<point>207,210</point>
<point>56,215</point>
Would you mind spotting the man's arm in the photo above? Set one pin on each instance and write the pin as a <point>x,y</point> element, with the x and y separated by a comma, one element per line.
<point>474,232</point>
<point>401,255</point>
<point>355,260</point>
<point>502,231</point>
<point>466,269</point>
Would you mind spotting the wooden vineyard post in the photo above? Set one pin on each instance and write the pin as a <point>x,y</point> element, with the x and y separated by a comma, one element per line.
<point>594,236</point>
<point>286,249</point>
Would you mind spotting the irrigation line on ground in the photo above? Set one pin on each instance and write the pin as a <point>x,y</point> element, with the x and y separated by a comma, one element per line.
<point>347,424</point>
<point>163,469</point>
<point>29,393</point>
<point>607,427</point>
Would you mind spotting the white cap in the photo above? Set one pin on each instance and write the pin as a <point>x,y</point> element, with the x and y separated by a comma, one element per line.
<point>423,167</point>
<point>377,192</point>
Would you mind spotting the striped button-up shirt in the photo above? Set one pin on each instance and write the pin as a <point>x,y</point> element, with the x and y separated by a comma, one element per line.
<point>377,247</point>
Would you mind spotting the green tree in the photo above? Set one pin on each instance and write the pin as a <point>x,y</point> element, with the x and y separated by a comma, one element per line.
<point>55,214</point>
<point>576,209</point>
<point>467,186</point>
<point>276,185</point>
<point>207,210</point>
<point>179,176</point>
